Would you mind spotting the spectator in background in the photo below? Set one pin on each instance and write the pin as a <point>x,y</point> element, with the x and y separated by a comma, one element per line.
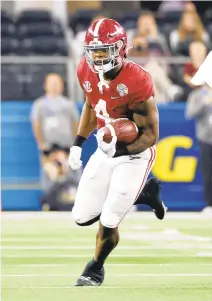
<point>54,122</point>
<point>54,117</point>
<point>165,90</point>
<point>199,107</point>
<point>60,195</point>
<point>190,29</point>
<point>148,44</point>
<point>140,47</point>
<point>197,53</point>
<point>147,35</point>
<point>175,6</point>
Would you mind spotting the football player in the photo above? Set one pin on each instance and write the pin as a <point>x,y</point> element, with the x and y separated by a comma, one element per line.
<point>115,176</point>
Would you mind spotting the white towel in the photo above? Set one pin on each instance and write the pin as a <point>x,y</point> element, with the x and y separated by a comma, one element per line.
<point>204,73</point>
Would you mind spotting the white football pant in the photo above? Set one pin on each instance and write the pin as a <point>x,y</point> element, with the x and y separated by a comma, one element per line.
<point>110,186</point>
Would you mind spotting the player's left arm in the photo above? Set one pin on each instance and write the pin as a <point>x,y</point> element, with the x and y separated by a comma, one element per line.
<point>146,118</point>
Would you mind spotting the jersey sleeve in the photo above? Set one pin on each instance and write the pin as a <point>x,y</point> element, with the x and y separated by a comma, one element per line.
<point>143,89</point>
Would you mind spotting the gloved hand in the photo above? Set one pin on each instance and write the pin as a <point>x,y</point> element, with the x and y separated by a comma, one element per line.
<point>74,157</point>
<point>108,148</point>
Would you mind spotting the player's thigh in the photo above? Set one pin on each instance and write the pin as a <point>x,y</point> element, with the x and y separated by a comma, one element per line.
<point>93,188</point>
<point>127,182</point>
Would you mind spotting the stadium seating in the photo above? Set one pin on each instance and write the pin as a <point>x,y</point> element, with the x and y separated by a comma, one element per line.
<point>5,17</point>
<point>9,46</point>
<point>9,42</point>
<point>8,30</point>
<point>34,32</point>
<point>169,17</point>
<point>82,19</point>
<point>38,33</point>
<point>34,16</point>
<point>208,17</point>
<point>35,75</point>
<point>12,82</point>
<point>43,46</point>
<point>209,29</point>
<point>39,29</point>
<point>11,87</point>
<point>27,80</point>
<point>127,20</point>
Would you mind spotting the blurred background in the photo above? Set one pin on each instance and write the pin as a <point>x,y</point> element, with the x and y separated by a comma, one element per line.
<point>41,100</point>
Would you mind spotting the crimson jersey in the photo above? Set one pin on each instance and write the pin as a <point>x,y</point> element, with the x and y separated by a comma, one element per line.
<point>131,86</point>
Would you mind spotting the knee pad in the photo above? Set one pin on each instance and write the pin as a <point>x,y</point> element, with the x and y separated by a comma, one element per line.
<point>109,219</point>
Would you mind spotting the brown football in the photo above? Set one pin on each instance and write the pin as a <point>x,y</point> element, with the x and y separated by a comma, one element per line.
<point>125,129</point>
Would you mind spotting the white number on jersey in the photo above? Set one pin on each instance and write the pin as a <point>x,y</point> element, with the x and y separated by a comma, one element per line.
<point>101,110</point>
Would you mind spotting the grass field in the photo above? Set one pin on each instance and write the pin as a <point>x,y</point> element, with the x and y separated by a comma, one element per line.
<point>44,253</point>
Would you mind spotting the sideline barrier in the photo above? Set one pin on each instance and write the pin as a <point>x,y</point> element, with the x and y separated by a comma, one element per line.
<point>177,164</point>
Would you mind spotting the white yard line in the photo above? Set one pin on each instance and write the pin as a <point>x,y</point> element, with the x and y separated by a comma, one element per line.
<point>111,275</point>
<point>68,215</point>
<point>38,265</point>
<point>44,240</point>
<point>72,287</point>
<point>204,254</point>
<point>133,255</point>
<point>82,247</point>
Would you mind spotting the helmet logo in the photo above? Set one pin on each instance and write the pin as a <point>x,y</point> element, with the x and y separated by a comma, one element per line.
<point>122,90</point>
<point>95,42</point>
<point>118,30</point>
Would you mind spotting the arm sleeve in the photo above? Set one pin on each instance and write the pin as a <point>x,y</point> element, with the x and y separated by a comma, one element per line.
<point>35,115</point>
<point>143,90</point>
<point>195,106</point>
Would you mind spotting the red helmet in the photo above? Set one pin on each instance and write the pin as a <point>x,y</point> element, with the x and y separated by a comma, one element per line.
<point>105,45</point>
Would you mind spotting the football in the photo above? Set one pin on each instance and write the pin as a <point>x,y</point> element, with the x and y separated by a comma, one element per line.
<point>125,129</point>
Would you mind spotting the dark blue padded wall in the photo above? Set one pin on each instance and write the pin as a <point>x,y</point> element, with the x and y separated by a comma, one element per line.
<point>20,162</point>
<point>20,159</point>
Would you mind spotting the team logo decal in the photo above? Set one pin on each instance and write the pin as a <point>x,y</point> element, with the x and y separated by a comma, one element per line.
<point>87,86</point>
<point>122,90</point>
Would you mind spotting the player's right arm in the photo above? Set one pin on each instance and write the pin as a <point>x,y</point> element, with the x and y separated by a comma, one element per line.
<point>88,121</point>
<point>87,125</point>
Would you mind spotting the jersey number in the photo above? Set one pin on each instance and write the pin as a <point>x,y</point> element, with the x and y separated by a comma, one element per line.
<point>101,111</point>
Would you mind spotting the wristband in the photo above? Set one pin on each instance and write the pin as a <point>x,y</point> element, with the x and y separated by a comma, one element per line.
<point>121,151</point>
<point>79,140</point>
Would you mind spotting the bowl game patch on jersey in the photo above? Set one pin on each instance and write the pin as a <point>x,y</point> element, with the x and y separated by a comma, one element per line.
<point>122,89</point>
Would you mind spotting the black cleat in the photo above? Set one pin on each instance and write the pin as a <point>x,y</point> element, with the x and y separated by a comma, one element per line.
<point>151,196</point>
<point>91,276</point>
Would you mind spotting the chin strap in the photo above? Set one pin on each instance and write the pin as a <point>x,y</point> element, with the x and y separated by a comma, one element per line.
<point>102,82</point>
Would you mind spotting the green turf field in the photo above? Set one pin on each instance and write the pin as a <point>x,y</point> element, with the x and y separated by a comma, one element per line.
<point>168,260</point>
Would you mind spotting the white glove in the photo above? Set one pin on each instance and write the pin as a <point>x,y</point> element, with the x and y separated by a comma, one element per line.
<point>108,148</point>
<point>74,157</point>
